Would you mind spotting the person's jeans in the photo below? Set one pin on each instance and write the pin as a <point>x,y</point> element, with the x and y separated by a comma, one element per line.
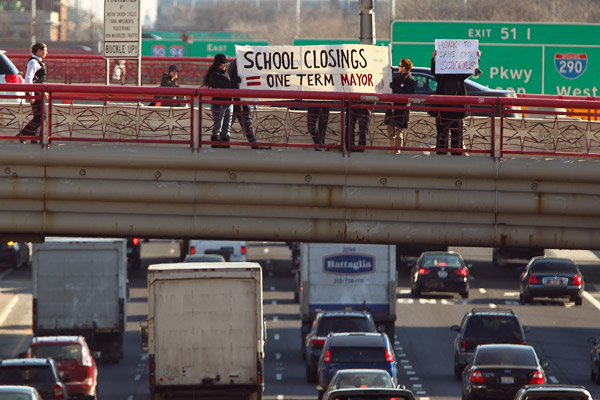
<point>221,121</point>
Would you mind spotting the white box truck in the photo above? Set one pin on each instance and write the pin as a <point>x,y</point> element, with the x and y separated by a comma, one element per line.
<point>338,277</point>
<point>80,288</point>
<point>205,330</point>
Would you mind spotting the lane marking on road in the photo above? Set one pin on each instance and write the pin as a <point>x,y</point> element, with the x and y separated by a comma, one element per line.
<point>278,356</point>
<point>272,288</point>
<point>511,294</point>
<point>4,273</point>
<point>493,305</point>
<point>423,398</point>
<point>274,302</point>
<point>137,377</point>
<point>482,291</point>
<point>404,291</point>
<point>278,377</point>
<point>279,397</point>
<point>275,318</point>
<point>276,336</point>
<point>407,366</point>
<point>7,310</point>
<point>411,373</point>
<point>130,397</point>
<point>413,378</point>
<point>417,385</point>
<point>592,300</point>
<point>421,392</point>
<point>144,356</point>
<point>553,379</point>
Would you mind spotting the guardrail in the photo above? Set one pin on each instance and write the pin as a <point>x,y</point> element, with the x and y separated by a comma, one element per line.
<point>532,126</point>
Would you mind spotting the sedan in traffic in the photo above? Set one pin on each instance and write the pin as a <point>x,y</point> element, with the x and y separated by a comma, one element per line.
<point>440,271</point>
<point>370,394</point>
<point>498,371</point>
<point>359,378</point>
<point>551,277</point>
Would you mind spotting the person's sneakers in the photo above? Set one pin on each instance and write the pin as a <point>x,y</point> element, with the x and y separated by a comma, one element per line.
<point>21,140</point>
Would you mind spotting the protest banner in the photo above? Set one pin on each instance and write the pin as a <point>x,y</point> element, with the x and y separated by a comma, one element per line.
<point>456,56</point>
<point>339,68</point>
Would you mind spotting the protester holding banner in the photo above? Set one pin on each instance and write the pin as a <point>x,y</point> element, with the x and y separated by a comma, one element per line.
<point>362,116</point>
<point>216,78</point>
<point>450,123</point>
<point>396,119</point>
<point>317,119</point>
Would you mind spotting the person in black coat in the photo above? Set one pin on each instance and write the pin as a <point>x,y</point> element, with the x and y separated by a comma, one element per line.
<point>396,119</point>
<point>217,78</point>
<point>168,79</point>
<point>450,123</point>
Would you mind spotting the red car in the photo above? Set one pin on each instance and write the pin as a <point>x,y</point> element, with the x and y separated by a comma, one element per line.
<point>73,359</point>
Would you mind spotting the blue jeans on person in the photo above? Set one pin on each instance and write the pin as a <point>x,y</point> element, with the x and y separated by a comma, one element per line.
<point>221,122</point>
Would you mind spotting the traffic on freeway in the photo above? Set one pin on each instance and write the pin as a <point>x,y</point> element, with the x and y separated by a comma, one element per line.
<point>560,332</point>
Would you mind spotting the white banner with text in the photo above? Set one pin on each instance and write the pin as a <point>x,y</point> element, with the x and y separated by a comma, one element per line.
<point>456,56</point>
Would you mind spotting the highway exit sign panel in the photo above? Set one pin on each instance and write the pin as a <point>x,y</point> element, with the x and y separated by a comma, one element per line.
<point>525,57</point>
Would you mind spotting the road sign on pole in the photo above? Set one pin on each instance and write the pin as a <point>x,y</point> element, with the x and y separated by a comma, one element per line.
<point>122,29</point>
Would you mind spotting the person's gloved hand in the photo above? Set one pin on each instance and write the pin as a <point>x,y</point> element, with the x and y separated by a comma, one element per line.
<point>391,85</point>
<point>237,80</point>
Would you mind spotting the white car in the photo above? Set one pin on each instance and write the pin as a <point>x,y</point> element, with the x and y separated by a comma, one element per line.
<point>231,250</point>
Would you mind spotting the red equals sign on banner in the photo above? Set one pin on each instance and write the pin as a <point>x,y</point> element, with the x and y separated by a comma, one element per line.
<point>253,81</point>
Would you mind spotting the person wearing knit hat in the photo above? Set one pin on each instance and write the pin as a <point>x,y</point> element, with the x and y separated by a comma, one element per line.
<point>222,107</point>
<point>168,79</point>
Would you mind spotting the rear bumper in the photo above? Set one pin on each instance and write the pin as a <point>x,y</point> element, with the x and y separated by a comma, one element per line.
<point>543,291</point>
<point>483,392</point>
<point>80,389</point>
<point>446,285</point>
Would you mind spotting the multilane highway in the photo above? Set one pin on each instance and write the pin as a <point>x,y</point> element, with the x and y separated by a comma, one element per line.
<point>558,330</point>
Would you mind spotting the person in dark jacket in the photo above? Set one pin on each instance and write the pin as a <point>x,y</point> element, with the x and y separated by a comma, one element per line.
<point>168,79</point>
<point>396,119</point>
<point>222,108</point>
<point>449,123</point>
<point>242,112</point>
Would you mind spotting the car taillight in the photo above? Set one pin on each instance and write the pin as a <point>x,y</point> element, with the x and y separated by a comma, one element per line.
<point>13,78</point>
<point>318,341</point>
<point>577,280</point>
<point>59,392</point>
<point>477,377</point>
<point>424,271</point>
<point>87,361</point>
<point>136,241</point>
<point>463,345</point>
<point>389,357</point>
<point>537,378</point>
<point>532,279</point>
<point>10,243</point>
<point>327,357</point>
<point>192,250</point>
<point>462,272</point>
<point>243,250</point>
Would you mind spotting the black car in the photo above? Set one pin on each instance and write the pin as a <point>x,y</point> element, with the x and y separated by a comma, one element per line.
<point>484,326</point>
<point>554,392</point>
<point>595,359</point>
<point>425,84</point>
<point>551,277</point>
<point>502,255</point>
<point>498,371</point>
<point>325,323</point>
<point>14,254</point>
<point>40,373</point>
<point>440,272</point>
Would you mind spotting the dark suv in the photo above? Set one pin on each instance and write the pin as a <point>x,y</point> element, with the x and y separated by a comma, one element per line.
<point>355,350</point>
<point>325,323</point>
<point>484,326</point>
<point>544,392</point>
<point>40,373</point>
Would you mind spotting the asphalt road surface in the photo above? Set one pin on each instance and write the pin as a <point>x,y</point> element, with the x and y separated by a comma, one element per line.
<point>558,330</point>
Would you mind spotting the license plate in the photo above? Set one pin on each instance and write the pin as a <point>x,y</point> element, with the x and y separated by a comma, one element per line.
<point>554,282</point>
<point>443,274</point>
<point>507,380</point>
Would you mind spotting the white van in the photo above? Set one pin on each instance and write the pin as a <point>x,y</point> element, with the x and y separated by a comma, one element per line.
<point>231,250</point>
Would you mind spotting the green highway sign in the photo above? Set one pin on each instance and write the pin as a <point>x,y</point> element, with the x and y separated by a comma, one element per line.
<point>198,48</point>
<point>314,42</point>
<point>526,57</point>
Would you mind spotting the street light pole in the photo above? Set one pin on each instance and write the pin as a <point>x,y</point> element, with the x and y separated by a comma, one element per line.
<point>33,20</point>
<point>367,22</point>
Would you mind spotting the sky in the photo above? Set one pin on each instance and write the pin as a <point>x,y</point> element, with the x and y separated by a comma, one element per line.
<point>97,7</point>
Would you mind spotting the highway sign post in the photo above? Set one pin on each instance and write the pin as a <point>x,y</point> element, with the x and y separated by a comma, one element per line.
<point>526,57</point>
<point>122,32</point>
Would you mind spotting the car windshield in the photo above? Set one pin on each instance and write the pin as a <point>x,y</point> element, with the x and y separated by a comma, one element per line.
<point>441,260</point>
<point>25,375</point>
<point>555,396</point>
<point>372,396</point>
<point>344,324</point>
<point>506,356</point>
<point>58,352</point>
<point>553,266</point>
<point>357,355</point>
<point>492,326</point>
<point>363,379</point>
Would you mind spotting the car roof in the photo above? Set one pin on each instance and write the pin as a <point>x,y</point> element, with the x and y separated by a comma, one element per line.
<point>553,259</point>
<point>25,362</point>
<point>17,389</point>
<point>58,340</point>
<point>362,371</point>
<point>328,314</point>
<point>391,392</point>
<point>491,311</point>
<point>555,387</point>
<point>351,339</point>
<point>505,346</point>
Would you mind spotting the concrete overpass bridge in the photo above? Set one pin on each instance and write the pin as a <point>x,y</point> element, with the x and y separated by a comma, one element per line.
<point>109,165</point>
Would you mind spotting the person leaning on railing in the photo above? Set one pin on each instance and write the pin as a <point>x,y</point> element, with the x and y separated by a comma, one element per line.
<point>396,119</point>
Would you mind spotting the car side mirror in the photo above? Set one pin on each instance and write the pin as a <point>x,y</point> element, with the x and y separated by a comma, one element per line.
<point>469,266</point>
<point>381,328</point>
<point>64,376</point>
<point>454,328</point>
<point>526,329</point>
<point>545,363</point>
